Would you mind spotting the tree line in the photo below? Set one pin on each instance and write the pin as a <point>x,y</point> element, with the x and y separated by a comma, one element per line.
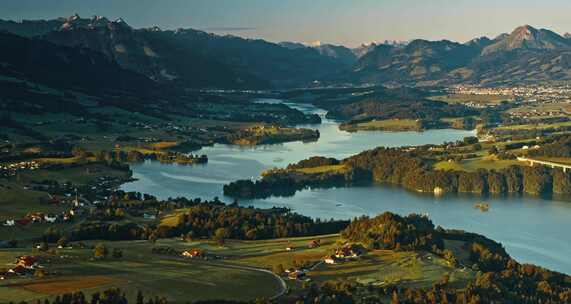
<point>234,222</point>
<point>410,169</point>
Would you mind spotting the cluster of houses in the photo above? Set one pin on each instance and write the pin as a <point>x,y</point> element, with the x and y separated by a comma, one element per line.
<point>479,105</point>
<point>344,253</point>
<point>296,274</point>
<point>535,113</point>
<point>24,266</point>
<point>41,218</point>
<point>310,245</point>
<point>101,189</point>
<point>535,147</point>
<point>7,170</point>
<point>524,94</point>
<point>194,254</point>
<point>164,126</point>
<point>523,91</point>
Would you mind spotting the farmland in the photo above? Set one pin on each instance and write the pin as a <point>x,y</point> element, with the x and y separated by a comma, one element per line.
<point>236,273</point>
<point>383,267</point>
<point>475,164</point>
<point>538,126</point>
<point>474,99</point>
<point>139,269</point>
<point>383,125</point>
<point>323,169</point>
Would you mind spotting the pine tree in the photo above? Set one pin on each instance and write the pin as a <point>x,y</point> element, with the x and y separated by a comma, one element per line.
<point>140,298</point>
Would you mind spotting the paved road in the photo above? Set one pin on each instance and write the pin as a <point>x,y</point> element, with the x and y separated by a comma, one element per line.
<point>545,163</point>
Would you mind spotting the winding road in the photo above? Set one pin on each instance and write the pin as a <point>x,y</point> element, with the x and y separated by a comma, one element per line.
<point>283,285</point>
<point>282,282</point>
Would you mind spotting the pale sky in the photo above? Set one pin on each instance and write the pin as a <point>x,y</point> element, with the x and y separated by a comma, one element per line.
<point>347,22</point>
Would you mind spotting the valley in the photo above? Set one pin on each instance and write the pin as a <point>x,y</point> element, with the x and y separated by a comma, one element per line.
<point>149,165</point>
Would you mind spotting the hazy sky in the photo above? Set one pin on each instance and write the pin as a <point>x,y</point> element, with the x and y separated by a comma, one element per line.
<point>349,22</point>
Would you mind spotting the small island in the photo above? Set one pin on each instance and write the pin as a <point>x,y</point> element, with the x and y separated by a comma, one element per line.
<point>271,134</point>
<point>392,125</point>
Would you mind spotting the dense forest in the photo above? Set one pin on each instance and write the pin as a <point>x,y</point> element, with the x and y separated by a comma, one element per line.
<point>271,135</point>
<point>410,168</point>
<point>233,222</point>
<point>398,108</point>
<point>199,219</point>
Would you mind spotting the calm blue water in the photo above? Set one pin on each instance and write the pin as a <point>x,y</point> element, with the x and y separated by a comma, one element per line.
<point>532,229</point>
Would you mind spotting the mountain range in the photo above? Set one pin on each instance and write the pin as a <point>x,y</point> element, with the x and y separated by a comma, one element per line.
<point>527,55</point>
<point>191,58</point>
<point>185,57</point>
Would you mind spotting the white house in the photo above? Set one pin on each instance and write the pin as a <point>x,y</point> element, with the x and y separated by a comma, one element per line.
<point>50,219</point>
<point>330,260</point>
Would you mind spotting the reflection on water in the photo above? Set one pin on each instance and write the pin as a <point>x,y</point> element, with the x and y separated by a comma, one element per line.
<point>532,229</point>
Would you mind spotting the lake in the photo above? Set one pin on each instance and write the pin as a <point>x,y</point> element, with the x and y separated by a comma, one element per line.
<point>533,230</point>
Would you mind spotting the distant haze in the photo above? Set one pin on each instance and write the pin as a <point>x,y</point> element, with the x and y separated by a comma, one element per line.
<point>344,22</point>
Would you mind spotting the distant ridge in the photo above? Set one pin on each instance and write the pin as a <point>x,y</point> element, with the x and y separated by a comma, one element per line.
<point>191,58</point>
<point>528,37</point>
<point>186,57</point>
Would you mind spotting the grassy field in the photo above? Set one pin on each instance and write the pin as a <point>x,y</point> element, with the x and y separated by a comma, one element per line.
<point>474,164</point>
<point>383,267</point>
<point>551,107</point>
<point>539,126</point>
<point>323,169</point>
<point>414,269</point>
<point>232,276</point>
<point>460,122</point>
<point>59,161</point>
<point>77,175</point>
<point>386,125</point>
<point>29,234</point>
<point>16,201</point>
<point>172,219</point>
<point>139,269</point>
<point>419,270</point>
<point>478,99</point>
<point>262,253</point>
<point>163,145</point>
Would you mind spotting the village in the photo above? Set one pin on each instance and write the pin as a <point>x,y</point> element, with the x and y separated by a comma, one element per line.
<point>342,254</point>
<point>24,266</point>
<point>525,94</point>
<point>532,101</point>
<point>11,169</point>
<point>75,200</point>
